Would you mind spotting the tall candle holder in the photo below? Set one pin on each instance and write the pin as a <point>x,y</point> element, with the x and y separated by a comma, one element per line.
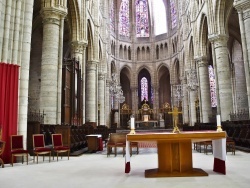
<point>219,129</point>
<point>132,124</point>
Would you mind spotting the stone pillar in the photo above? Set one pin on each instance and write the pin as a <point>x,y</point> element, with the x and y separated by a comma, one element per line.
<point>116,114</point>
<point>78,49</point>
<point>91,104</point>
<point>222,70</point>
<point>16,38</point>
<point>192,109</point>
<point>24,62</point>
<point>108,106</point>
<point>49,66</point>
<point>134,106</point>
<point>185,111</point>
<point>243,8</point>
<point>6,32</point>
<point>101,97</point>
<point>205,97</point>
<point>156,98</point>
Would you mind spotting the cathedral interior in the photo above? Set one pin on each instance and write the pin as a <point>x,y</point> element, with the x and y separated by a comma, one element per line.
<point>100,63</point>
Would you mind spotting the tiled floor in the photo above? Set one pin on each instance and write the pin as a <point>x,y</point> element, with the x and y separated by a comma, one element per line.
<point>98,170</point>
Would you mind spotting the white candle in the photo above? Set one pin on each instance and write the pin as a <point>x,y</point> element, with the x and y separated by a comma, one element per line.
<point>132,121</point>
<point>218,120</point>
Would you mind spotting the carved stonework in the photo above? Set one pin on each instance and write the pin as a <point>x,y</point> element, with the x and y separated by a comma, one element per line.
<point>101,76</point>
<point>218,40</point>
<point>78,47</point>
<point>201,61</point>
<point>242,5</point>
<point>246,15</point>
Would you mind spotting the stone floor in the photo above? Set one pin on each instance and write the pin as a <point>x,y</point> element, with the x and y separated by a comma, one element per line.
<point>97,170</point>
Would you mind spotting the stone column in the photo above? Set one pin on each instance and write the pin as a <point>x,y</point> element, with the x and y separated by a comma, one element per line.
<point>50,58</point>
<point>205,96</point>
<point>134,106</point>
<point>16,36</point>
<point>108,106</point>
<point>78,49</point>
<point>91,104</point>
<point>156,97</point>
<point>24,62</point>
<point>243,8</point>
<point>222,70</point>
<point>6,32</point>
<point>185,111</point>
<point>101,97</point>
<point>192,109</point>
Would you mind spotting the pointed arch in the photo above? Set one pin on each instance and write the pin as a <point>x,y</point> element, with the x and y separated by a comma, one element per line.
<point>90,53</point>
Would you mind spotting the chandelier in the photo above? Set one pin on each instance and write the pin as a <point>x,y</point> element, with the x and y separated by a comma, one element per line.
<point>192,82</point>
<point>178,93</point>
<point>116,89</point>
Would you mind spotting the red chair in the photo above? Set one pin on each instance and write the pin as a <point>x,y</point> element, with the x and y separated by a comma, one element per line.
<point>58,145</point>
<point>2,146</point>
<point>39,147</point>
<point>17,148</point>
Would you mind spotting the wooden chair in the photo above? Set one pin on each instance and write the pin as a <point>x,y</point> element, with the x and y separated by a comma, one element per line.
<point>58,145</point>
<point>2,146</point>
<point>134,145</point>
<point>230,145</point>
<point>115,141</point>
<point>39,147</point>
<point>16,148</point>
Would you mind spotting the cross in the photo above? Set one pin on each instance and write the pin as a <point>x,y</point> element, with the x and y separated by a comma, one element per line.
<point>175,114</point>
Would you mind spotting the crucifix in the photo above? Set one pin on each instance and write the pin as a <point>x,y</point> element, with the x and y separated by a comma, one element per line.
<point>175,114</point>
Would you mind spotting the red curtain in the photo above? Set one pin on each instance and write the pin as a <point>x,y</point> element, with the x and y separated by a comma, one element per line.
<point>8,104</point>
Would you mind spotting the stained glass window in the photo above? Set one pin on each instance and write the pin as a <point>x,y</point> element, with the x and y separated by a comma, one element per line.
<point>124,18</point>
<point>142,25</point>
<point>112,17</point>
<point>160,18</point>
<point>173,13</point>
<point>212,86</point>
<point>144,89</point>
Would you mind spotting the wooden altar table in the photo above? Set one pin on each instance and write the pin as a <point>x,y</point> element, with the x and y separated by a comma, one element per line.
<point>175,152</point>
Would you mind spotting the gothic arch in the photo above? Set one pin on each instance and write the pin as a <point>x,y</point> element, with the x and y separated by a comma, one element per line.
<point>125,80</point>
<point>203,36</point>
<point>163,78</point>
<point>144,72</point>
<point>176,71</point>
<point>74,13</point>
<point>90,53</point>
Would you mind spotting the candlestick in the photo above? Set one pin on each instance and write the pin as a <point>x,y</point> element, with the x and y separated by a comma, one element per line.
<point>132,124</point>
<point>218,123</point>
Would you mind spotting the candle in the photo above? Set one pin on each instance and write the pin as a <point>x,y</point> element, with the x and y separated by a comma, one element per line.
<point>218,120</point>
<point>132,121</point>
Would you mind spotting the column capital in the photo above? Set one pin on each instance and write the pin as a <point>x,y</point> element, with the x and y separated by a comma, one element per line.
<point>218,37</point>
<point>101,76</point>
<point>53,14</point>
<point>78,46</point>
<point>201,61</point>
<point>242,5</point>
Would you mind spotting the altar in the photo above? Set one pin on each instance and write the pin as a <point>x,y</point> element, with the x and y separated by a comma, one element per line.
<point>146,124</point>
<point>175,152</point>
